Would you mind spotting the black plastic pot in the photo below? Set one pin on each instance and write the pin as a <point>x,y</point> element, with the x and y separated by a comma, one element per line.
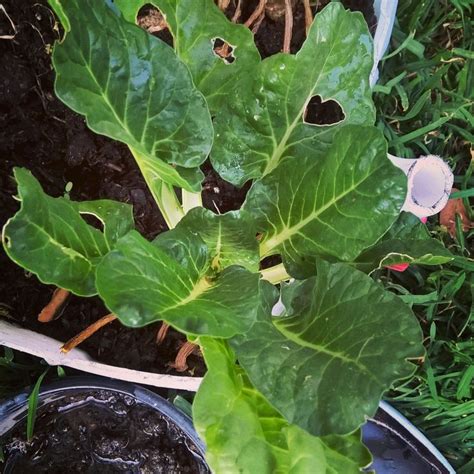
<point>14,411</point>
<point>397,446</point>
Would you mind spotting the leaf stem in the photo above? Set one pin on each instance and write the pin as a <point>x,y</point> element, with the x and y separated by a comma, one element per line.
<point>275,274</point>
<point>191,200</point>
<point>162,192</point>
<point>168,203</point>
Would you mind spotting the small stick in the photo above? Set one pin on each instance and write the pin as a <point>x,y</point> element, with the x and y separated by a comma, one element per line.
<point>186,350</point>
<point>8,37</point>
<point>57,300</point>
<point>238,12</point>
<point>223,4</point>
<point>162,332</point>
<point>87,332</point>
<point>257,24</point>
<point>308,15</point>
<point>288,26</point>
<point>256,13</point>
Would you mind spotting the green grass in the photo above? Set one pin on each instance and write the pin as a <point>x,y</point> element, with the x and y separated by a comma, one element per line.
<point>425,103</point>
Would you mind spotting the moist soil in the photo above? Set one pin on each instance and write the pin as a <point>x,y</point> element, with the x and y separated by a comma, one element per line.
<point>40,133</point>
<point>101,432</point>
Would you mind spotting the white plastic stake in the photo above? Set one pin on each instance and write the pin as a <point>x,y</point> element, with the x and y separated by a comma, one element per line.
<point>429,185</point>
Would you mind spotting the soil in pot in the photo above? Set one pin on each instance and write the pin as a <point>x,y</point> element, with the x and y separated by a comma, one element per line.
<point>101,431</point>
<point>38,132</point>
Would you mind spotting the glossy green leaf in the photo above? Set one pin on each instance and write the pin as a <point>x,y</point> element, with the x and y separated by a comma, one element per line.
<point>407,226</point>
<point>230,237</point>
<point>170,279</point>
<point>342,342</point>
<point>335,206</point>
<point>265,121</point>
<point>195,25</point>
<point>245,434</point>
<point>133,88</point>
<point>116,218</point>
<point>49,237</point>
<point>395,252</point>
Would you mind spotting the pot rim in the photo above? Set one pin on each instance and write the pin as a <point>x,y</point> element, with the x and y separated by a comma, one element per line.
<point>14,410</point>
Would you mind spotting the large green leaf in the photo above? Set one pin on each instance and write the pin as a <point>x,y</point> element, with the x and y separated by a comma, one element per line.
<point>245,434</point>
<point>170,280</point>
<point>195,25</point>
<point>49,237</point>
<point>264,122</point>
<point>340,345</point>
<point>230,237</point>
<point>133,88</point>
<point>396,252</point>
<point>335,206</point>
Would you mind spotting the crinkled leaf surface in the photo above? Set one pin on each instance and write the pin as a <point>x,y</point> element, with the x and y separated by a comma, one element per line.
<point>343,341</point>
<point>230,237</point>
<point>132,87</point>
<point>195,25</point>
<point>395,252</point>
<point>142,282</point>
<point>49,237</point>
<point>245,434</point>
<point>335,206</point>
<point>264,122</point>
<point>407,226</point>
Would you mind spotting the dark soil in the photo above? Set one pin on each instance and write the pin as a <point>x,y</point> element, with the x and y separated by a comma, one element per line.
<point>101,432</point>
<point>38,132</point>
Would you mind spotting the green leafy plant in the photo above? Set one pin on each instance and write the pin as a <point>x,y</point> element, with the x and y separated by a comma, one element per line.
<point>282,393</point>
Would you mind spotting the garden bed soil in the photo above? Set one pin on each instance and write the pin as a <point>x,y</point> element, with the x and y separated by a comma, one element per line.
<point>40,133</point>
<point>101,431</point>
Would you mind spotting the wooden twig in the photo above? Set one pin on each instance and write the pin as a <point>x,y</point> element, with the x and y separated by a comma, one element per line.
<point>223,4</point>
<point>257,24</point>
<point>87,332</point>
<point>180,363</point>
<point>8,37</point>
<point>308,16</point>
<point>238,12</point>
<point>256,13</point>
<point>162,332</point>
<point>288,26</point>
<point>57,300</point>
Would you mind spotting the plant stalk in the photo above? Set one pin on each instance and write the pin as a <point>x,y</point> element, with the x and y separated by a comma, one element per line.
<point>275,274</point>
<point>191,200</point>
<point>163,193</point>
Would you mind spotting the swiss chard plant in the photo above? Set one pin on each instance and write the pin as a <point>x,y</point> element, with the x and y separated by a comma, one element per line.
<point>286,392</point>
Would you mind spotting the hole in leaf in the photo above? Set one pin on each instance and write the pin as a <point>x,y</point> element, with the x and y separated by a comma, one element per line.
<point>223,50</point>
<point>152,20</point>
<point>93,221</point>
<point>319,112</point>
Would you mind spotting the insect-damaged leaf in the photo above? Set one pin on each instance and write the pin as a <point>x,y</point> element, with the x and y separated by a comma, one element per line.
<point>341,343</point>
<point>133,88</point>
<point>245,434</point>
<point>217,51</point>
<point>170,280</point>
<point>49,237</point>
<point>396,252</point>
<point>230,237</point>
<point>336,205</point>
<point>265,121</point>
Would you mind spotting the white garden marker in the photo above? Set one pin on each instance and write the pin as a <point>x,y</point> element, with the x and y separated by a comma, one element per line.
<point>49,349</point>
